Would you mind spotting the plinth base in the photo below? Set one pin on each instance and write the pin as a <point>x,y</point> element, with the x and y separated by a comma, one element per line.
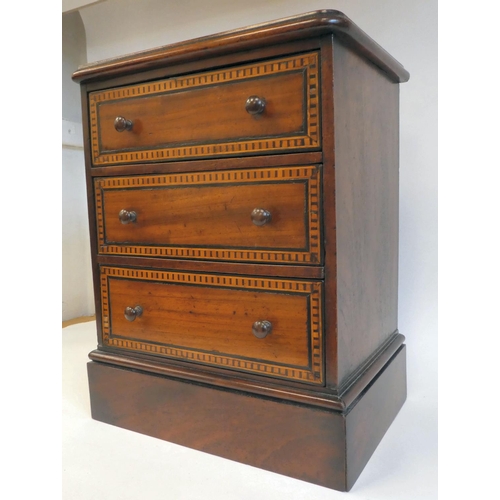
<point>324,447</point>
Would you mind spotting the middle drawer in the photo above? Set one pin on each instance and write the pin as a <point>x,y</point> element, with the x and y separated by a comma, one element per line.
<point>261,215</point>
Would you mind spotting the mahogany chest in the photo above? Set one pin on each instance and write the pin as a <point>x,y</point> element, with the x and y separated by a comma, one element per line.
<point>243,201</point>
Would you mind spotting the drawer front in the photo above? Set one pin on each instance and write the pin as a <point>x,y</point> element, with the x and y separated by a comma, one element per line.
<point>262,215</point>
<point>205,114</point>
<point>210,320</point>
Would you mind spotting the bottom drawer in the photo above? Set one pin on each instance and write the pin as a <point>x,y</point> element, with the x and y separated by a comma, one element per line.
<point>266,326</point>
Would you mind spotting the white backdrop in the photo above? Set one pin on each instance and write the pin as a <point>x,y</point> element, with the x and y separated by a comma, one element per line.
<point>405,28</point>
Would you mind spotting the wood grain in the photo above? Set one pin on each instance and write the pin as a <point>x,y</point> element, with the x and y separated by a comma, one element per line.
<point>371,415</point>
<point>208,319</point>
<point>328,448</point>
<point>317,164</point>
<point>205,64</point>
<point>329,211</point>
<point>213,164</point>
<point>219,322</point>
<point>286,390</point>
<point>299,441</point>
<point>222,267</point>
<point>208,215</point>
<point>211,113</point>
<point>366,108</point>
<point>204,114</point>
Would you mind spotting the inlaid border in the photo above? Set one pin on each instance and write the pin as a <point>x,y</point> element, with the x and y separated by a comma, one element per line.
<point>315,374</point>
<point>310,139</point>
<point>311,174</point>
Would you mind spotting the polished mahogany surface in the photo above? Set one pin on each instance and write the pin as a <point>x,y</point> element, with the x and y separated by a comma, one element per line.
<point>243,208</point>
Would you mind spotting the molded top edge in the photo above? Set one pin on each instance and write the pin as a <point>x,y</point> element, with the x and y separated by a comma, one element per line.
<point>291,28</point>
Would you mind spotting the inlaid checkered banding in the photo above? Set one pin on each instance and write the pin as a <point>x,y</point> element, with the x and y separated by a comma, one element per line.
<point>311,175</point>
<point>311,374</point>
<point>310,139</point>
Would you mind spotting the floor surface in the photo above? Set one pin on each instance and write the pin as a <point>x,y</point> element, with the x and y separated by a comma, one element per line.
<point>102,462</point>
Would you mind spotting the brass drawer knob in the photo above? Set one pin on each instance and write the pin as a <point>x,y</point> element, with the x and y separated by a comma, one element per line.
<point>262,329</point>
<point>126,217</point>
<point>133,312</point>
<point>122,124</point>
<point>260,216</point>
<point>255,105</point>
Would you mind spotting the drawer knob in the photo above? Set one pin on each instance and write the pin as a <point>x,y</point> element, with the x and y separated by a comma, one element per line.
<point>260,216</point>
<point>255,105</point>
<point>122,124</point>
<point>133,312</point>
<point>126,217</point>
<point>262,329</point>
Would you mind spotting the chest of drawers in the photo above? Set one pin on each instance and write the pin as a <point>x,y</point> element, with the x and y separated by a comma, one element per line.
<point>243,201</point>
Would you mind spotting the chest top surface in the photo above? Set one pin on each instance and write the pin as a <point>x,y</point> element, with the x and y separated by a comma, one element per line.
<point>298,27</point>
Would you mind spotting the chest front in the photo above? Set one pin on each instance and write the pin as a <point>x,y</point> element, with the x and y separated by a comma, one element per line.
<point>243,201</point>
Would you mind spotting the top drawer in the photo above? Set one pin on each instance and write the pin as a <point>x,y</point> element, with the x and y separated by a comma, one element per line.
<point>259,108</point>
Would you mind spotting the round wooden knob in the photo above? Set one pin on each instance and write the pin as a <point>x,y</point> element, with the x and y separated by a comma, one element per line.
<point>262,329</point>
<point>260,216</point>
<point>133,312</point>
<point>122,124</point>
<point>126,217</point>
<point>255,105</point>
